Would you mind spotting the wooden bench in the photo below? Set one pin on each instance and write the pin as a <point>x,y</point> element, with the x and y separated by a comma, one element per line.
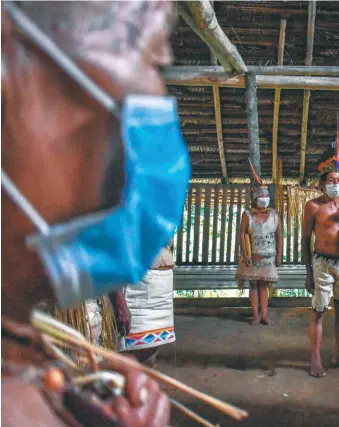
<point>223,277</point>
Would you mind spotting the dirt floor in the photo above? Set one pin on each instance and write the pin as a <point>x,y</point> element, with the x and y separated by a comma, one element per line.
<point>261,369</point>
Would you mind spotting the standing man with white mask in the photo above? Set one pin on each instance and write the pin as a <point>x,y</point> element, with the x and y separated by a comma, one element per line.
<point>261,249</point>
<point>322,218</point>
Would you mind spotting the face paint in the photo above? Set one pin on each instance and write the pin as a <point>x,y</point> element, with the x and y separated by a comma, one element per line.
<point>263,202</point>
<point>332,190</point>
<point>97,253</point>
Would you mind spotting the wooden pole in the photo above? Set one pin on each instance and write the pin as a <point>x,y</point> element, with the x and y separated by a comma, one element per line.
<point>281,45</point>
<point>218,123</point>
<point>279,207</point>
<point>214,59</point>
<point>253,121</point>
<point>263,82</point>
<point>200,16</point>
<point>280,61</point>
<point>275,134</point>
<point>186,72</point>
<point>312,10</point>
<point>304,123</point>
<point>277,164</point>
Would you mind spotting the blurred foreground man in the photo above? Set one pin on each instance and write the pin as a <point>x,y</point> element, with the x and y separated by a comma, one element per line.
<point>73,161</point>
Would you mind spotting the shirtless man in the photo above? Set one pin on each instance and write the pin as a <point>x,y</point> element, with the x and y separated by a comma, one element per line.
<point>322,218</point>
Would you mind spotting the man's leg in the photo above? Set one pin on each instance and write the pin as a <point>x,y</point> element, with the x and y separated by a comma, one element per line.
<point>316,331</point>
<point>146,356</point>
<point>336,331</point>
<point>263,289</point>
<point>254,302</point>
<point>323,287</point>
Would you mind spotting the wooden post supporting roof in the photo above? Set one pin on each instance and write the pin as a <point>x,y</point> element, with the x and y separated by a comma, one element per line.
<point>200,16</point>
<point>280,61</point>
<point>218,123</point>
<point>312,10</point>
<point>252,120</point>
<point>218,120</point>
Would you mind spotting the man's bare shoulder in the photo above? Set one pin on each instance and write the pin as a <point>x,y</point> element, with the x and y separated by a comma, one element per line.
<point>315,204</point>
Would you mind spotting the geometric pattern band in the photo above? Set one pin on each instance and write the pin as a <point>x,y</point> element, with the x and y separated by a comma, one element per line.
<point>150,338</point>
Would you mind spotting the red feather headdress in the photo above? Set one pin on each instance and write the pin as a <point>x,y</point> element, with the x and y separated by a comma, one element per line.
<point>259,189</point>
<point>331,164</point>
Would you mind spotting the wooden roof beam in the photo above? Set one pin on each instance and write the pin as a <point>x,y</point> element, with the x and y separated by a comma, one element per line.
<point>280,61</point>
<point>200,16</point>
<point>312,10</point>
<point>218,123</point>
<point>263,82</point>
<point>187,72</point>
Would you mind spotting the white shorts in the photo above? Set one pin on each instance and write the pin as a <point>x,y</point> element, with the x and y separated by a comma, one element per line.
<point>326,282</point>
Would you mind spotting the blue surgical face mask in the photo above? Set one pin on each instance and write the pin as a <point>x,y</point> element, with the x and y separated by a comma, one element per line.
<point>263,202</point>
<point>332,190</point>
<point>100,252</point>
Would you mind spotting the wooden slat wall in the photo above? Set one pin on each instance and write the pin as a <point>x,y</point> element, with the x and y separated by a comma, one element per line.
<point>206,230</point>
<point>223,227</point>
<point>239,205</point>
<point>288,231</point>
<point>230,225</point>
<point>188,229</point>
<point>296,241</point>
<point>209,235</point>
<point>179,251</point>
<point>210,224</point>
<point>196,242</point>
<point>215,224</point>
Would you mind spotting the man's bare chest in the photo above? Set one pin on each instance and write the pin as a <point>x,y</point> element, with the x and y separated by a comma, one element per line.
<point>328,219</point>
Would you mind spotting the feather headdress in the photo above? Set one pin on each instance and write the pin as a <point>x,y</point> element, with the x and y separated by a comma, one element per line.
<point>258,189</point>
<point>332,163</point>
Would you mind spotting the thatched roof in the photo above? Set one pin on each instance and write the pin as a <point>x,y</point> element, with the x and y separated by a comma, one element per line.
<point>254,28</point>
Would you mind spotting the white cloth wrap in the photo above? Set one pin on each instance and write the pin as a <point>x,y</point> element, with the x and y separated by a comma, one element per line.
<point>151,307</point>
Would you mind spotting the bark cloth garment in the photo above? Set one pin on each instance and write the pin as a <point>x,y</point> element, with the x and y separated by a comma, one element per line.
<point>25,359</point>
<point>101,328</point>
<point>263,246</point>
<point>94,326</point>
<point>94,319</point>
<point>326,281</point>
<point>151,307</point>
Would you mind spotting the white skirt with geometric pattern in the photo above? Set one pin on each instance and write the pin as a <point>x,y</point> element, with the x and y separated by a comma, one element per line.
<point>151,307</point>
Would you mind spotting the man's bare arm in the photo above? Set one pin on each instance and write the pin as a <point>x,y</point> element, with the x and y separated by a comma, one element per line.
<point>308,228</point>
<point>121,311</point>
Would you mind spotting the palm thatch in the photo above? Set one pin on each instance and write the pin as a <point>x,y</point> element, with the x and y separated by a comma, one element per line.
<point>254,28</point>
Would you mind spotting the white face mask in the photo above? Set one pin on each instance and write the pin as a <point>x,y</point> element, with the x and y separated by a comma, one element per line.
<point>332,190</point>
<point>263,202</point>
